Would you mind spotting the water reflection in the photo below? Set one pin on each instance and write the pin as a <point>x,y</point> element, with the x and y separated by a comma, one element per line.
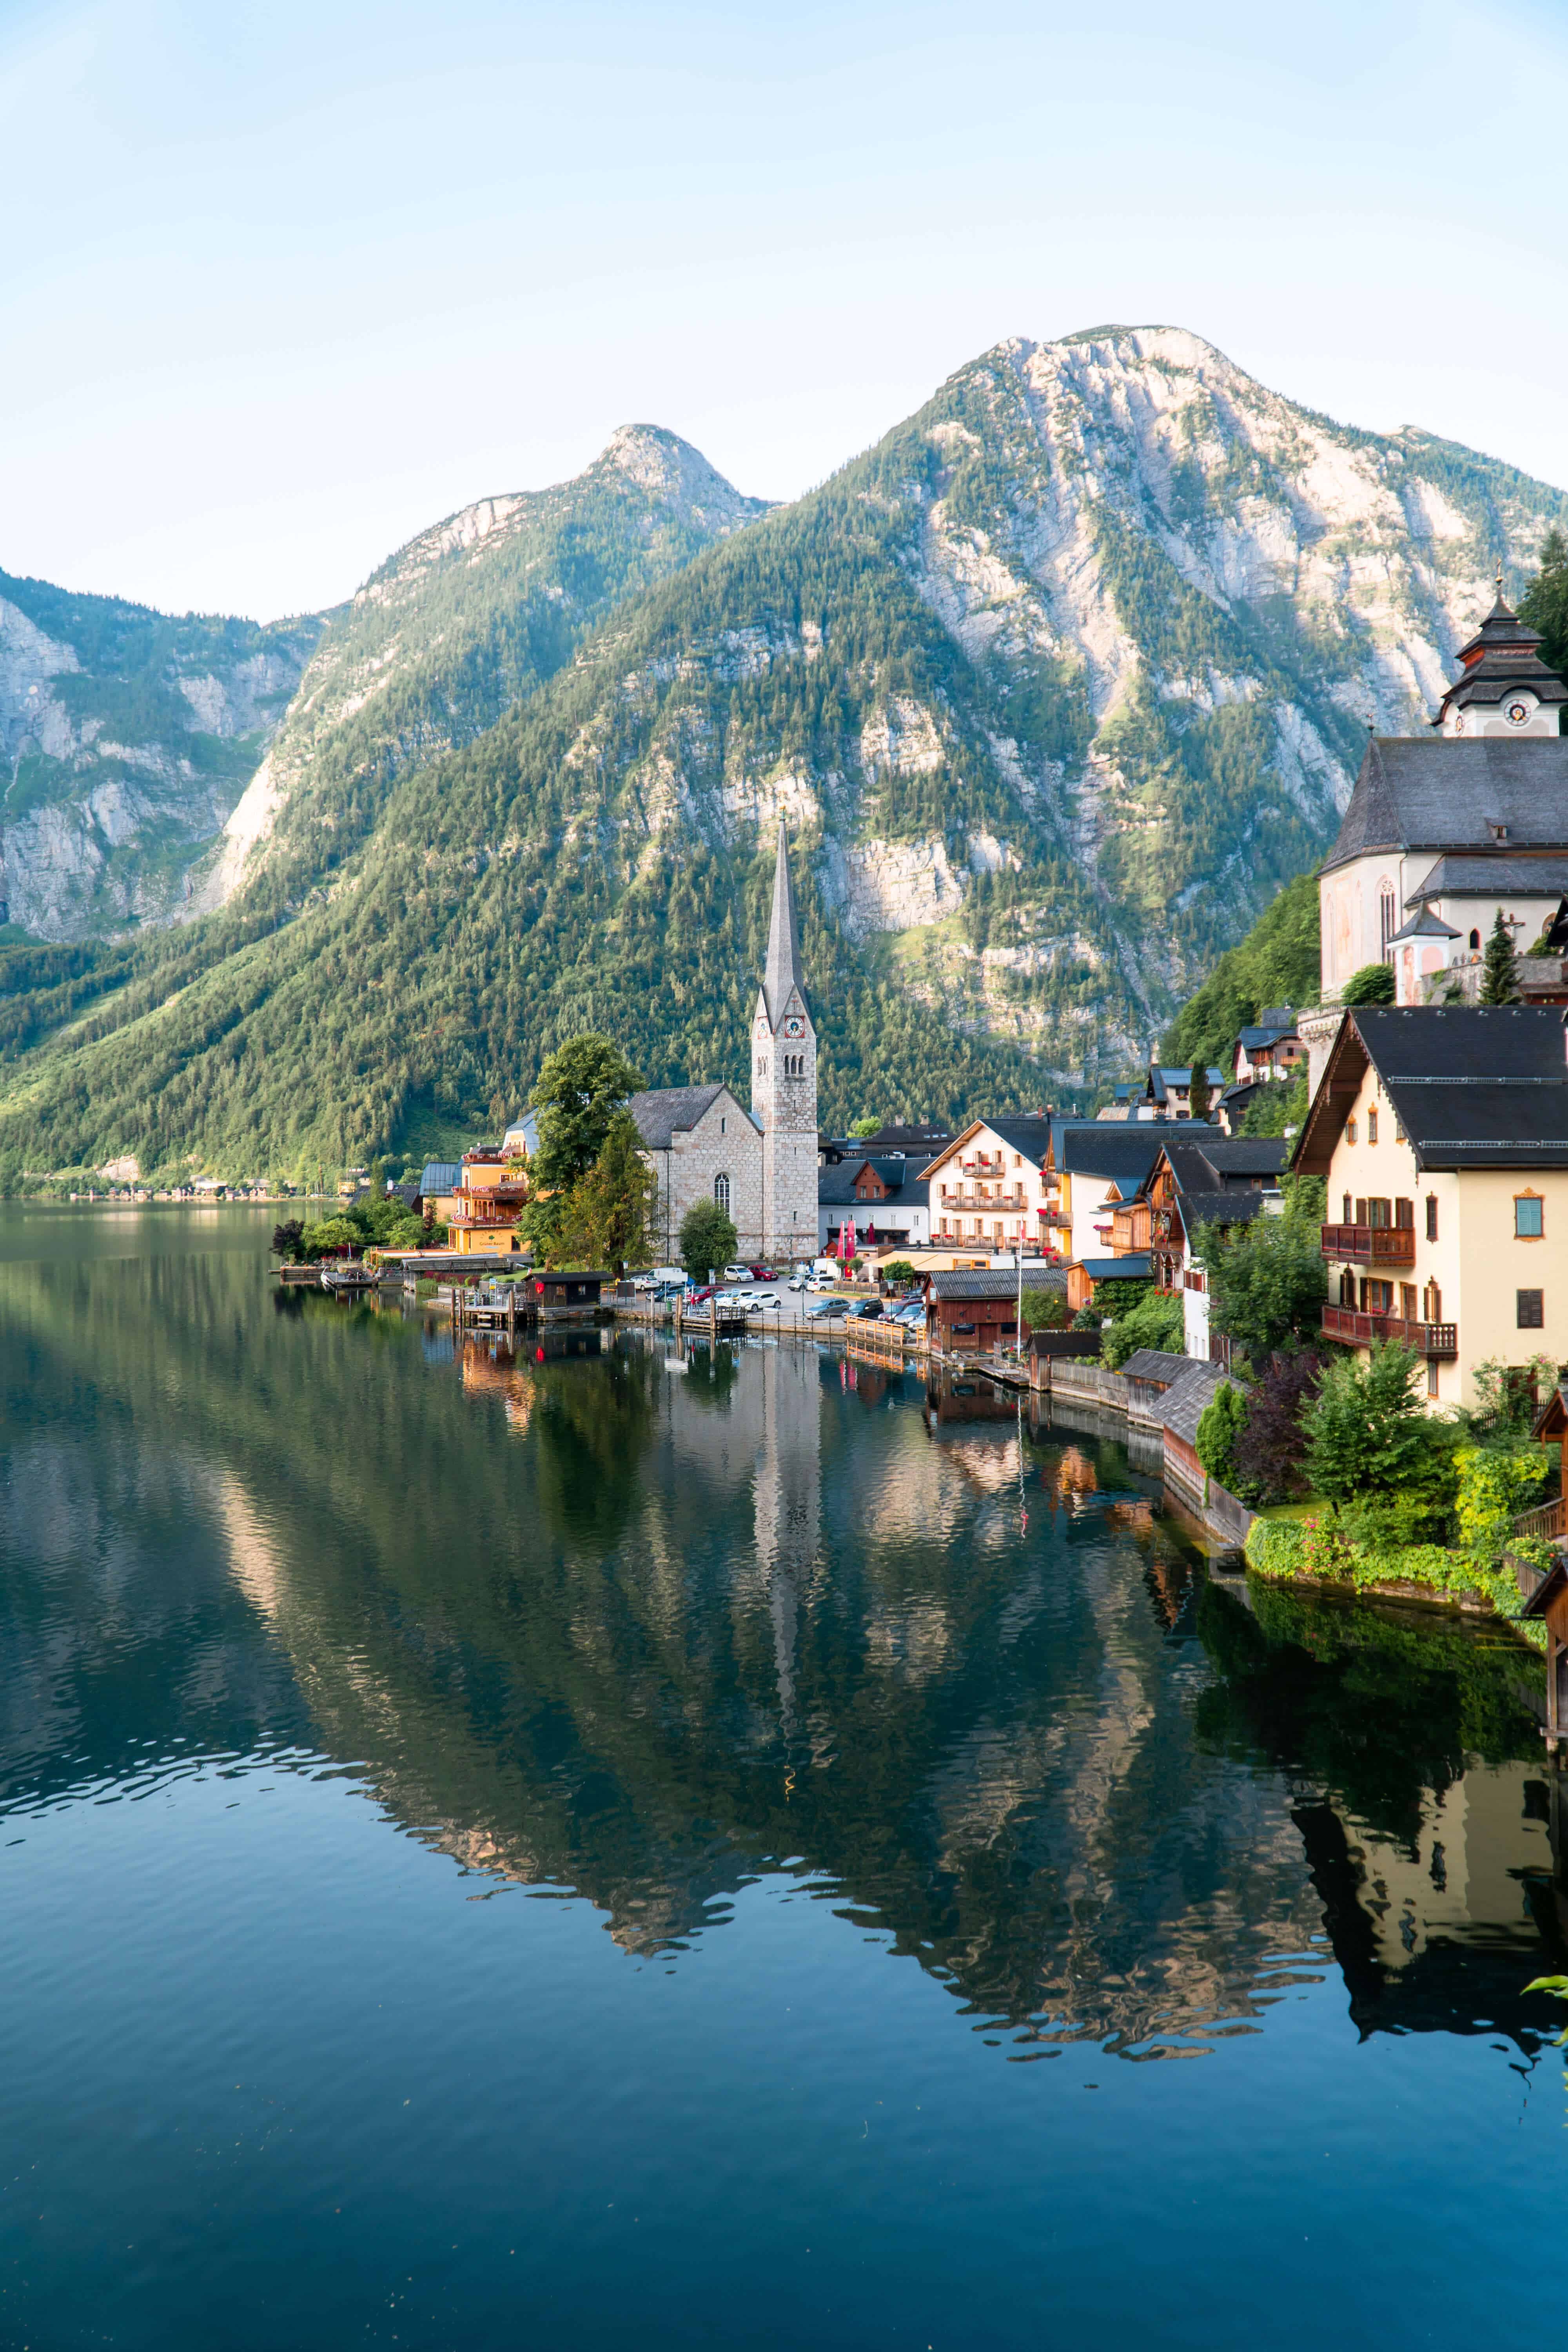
<point>586,1620</point>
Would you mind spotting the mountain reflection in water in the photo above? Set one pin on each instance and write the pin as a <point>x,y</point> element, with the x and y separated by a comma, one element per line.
<point>582,1623</point>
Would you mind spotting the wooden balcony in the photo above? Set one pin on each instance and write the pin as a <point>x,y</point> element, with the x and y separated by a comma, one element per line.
<point>1348,1323</point>
<point>1057,1219</point>
<point>1129,1229</point>
<point>1371,1244</point>
<point>1547,1519</point>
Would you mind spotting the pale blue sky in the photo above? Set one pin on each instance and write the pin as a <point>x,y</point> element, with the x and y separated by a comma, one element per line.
<point>282,284</point>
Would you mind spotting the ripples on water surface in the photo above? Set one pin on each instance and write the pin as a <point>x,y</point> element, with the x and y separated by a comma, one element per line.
<point>573,1853</point>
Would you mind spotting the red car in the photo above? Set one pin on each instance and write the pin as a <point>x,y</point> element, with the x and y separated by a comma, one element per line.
<point>763,1273</point>
<point>700,1297</point>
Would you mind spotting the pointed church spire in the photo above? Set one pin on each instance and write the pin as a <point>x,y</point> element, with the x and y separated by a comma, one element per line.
<point>782,971</point>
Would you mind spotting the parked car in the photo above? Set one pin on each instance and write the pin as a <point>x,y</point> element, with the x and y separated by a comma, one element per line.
<point>800,1281</point>
<point>866,1310</point>
<point>737,1274</point>
<point>765,1302</point>
<point>700,1295</point>
<point>763,1273</point>
<point>824,1306</point>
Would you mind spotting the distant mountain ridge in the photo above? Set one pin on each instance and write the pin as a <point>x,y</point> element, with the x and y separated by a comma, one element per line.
<point>126,738</point>
<point>1056,686</point>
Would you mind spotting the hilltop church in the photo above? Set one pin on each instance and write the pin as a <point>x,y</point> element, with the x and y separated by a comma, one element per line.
<point>1446,829</point>
<point>759,1164</point>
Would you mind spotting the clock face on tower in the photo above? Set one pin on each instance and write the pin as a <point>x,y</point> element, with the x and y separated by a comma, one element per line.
<point>792,1028</point>
<point>1517,712</point>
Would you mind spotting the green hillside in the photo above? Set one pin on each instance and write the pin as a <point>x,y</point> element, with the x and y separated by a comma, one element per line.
<point>1057,687</point>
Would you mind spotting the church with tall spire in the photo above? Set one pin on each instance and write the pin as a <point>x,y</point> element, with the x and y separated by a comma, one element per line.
<point>759,1164</point>
<point>784,1080</point>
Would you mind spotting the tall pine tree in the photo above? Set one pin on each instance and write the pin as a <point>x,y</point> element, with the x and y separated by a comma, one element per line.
<point>1544,604</point>
<point>1499,975</point>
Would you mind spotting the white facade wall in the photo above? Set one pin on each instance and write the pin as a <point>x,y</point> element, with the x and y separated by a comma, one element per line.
<point>979,1219</point>
<point>784,1104</point>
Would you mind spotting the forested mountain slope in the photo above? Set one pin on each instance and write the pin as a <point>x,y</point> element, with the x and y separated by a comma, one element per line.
<point>126,738</point>
<point>449,633</point>
<point>1055,687</point>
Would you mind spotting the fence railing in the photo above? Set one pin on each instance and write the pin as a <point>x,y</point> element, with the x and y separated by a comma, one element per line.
<point>1547,1519</point>
<point>1371,1244</point>
<point>1365,1330</point>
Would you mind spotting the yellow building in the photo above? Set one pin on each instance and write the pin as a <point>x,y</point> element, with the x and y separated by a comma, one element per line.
<point>489,1198</point>
<point>1442,1135</point>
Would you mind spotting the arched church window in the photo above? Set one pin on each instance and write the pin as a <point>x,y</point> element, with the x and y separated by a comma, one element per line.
<point>1475,941</point>
<point>721,1192</point>
<point>1385,916</point>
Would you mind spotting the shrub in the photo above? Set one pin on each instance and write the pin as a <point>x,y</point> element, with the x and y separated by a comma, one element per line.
<point>1372,984</point>
<point>1368,1435</point>
<point>1268,1281</point>
<point>1155,1322</point>
<point>707,1239</point>
<point>1047,1310</point>
<point>1220,1425</point>
<point>899,1270</point>
<point>1266,1454</point>
<point>1494,1486</point>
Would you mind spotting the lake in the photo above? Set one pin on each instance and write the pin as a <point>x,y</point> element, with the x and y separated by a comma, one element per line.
<point>742,1853</point>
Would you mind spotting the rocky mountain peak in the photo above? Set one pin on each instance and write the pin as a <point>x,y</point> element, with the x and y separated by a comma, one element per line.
<point>671,471</point>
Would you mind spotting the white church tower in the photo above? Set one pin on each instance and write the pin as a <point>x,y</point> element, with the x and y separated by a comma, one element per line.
<point>784,1082</point>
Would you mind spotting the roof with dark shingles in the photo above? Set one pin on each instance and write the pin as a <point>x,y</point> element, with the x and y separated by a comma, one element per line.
<point>999,1284</point>
<point>1182,1406</point>
<point>1434,793</point>
<point>1473,1085</point>
<point>1137,1265</point>
<point>836,1186</point>
<point>1484,877</point>
<point>1122,1150</point>
<point>670,1111</point>
<point>1155,1364</point>
<point>440,1176</point>
<point>1028,1134</point>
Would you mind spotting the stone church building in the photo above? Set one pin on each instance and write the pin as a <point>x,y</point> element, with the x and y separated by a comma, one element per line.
<point>759,1164</point>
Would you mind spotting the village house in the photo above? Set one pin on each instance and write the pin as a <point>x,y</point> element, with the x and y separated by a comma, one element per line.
<point>1445,831</point>
<point>1442,1136</point>
<point>1168,1089</point>
<point>886,1197</point>
<point>972,1314</point>
<point>1098,1166</point>
<point>989,1187</point>
<point>1194,1184</point>
<point>485,1204</point>
<point>1086,1275</point>
<point>1268,1047</point>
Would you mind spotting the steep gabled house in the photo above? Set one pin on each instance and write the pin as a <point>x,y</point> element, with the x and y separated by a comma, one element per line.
<point>1268,1047</point>
<point>1442,1135</point>
<point>988,1188</point>
<point>1169,1088</point>
<point>1195,1183</point>
<point>1099,1166</point>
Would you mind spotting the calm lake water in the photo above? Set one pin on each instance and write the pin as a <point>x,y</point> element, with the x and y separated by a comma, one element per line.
<point>584,1852</point>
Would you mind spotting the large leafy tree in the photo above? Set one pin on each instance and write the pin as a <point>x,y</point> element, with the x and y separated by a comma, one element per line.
<point>707,1239</point>
<point>606,1217</point>
<point>1367,1433</point>
<point>1268,1281</point>
<point>580,1089</point>
<point>1372,984</point>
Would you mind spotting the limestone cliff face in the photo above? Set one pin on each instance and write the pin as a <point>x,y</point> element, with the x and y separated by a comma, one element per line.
<point>126,738</point>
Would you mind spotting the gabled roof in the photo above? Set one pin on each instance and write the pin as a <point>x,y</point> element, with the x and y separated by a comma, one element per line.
<point>1435,792</point>
<point>1458,877</point>
<point>977,1283</point>
<point>836,1186</point>
<point>1424,925</point>
<point>670,1111</point>
<point>1501,656</point>
<point>1185,1401</point>
<point>1028,1135</point>
<point>441,1176</point>
<point>1155,1364</point>
<point>1265,1034</point>
<point>1472,1086</point>
<point>1122,1151</point>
